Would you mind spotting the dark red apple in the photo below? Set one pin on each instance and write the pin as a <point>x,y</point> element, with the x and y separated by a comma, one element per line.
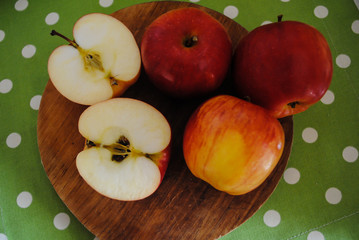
<point>186,52</point>
<point>284,67</point>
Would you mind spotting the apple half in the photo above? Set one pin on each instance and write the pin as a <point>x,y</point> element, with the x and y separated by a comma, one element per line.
<point>127,148</point>
<point>101,62</point>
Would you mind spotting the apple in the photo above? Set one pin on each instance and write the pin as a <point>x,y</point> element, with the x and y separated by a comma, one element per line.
<point>285,67</point>
<point>127,148</point>
<point>101,63</point>
<point>186,52</point>
<point>232,144</point>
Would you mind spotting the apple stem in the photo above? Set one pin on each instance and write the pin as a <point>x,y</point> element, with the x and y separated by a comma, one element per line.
<point>191,41</point>
<point>280,17</point>
<point>72,43</point>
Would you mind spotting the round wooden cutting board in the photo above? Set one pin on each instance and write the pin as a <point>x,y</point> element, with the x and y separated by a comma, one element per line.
<point>183,207</point>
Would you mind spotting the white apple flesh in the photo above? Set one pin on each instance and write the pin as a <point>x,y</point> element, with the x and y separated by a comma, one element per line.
<point>127,148</point>
<point>101,62</point>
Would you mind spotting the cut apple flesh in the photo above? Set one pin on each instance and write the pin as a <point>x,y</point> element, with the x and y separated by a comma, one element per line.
<point>125,141</point>
<point>102,61</point>
<point>133,178</point>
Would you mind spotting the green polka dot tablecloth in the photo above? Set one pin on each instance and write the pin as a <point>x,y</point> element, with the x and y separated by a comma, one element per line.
<point>318,195</point>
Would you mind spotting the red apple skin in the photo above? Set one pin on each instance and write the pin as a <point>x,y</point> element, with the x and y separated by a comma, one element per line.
<point>163,160</point>
<point>232,144</point>
<point>180,71</point>
<point>283,64</point>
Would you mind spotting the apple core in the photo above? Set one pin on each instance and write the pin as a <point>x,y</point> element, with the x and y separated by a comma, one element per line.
<point>92,59</point>
<point>122,149</point>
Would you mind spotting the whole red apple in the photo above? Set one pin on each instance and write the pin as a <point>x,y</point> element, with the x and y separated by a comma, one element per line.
<point>284,67</point>
<point>186,52</point>
<point>232,144</point>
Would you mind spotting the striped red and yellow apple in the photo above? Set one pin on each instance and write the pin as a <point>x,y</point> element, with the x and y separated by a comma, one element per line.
<point>232,144</point>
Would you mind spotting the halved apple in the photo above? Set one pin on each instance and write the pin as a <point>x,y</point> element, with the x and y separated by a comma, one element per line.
<point>127,148</point>
<point>101,62</point>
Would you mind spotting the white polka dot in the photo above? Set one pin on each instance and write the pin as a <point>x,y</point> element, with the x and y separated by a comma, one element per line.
<point>24,199</point>
<point>310,135</point>
<point>2,35</point>
<point>13,140</point>
<point>5,85</point>
<point>291,176</point>
<point>28,51</point>
<point>355,26</point>
<point>52,18</point>
<point>321,12</point>
<point>3,236</point>
<point>328,97</point>
<point>333,195</point>
<point>343,61</point>
<point>271,218</point>
<point>285,0</point>
<point>350,154</point>
<point>105,3</point>
<point>61,221</point>
<point>265,23</point>
<point>21,5</point>
<point>315,235</point>
<point>35,102</point>
<point>231,11</point>
<point>194,0</point>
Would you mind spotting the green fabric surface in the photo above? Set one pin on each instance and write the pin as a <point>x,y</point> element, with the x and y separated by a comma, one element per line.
<point>318,196</point>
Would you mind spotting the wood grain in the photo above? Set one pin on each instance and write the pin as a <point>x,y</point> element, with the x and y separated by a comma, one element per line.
<point>183,207</point>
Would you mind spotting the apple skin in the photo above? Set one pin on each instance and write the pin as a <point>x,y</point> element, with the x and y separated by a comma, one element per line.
<point>232,144</point>
<point>284,67</point>
<point>163,161</point>
<point>180,71</point>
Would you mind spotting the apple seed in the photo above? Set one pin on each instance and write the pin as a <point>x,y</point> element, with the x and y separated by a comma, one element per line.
<point>92,60</point>
<point>122,149</point>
